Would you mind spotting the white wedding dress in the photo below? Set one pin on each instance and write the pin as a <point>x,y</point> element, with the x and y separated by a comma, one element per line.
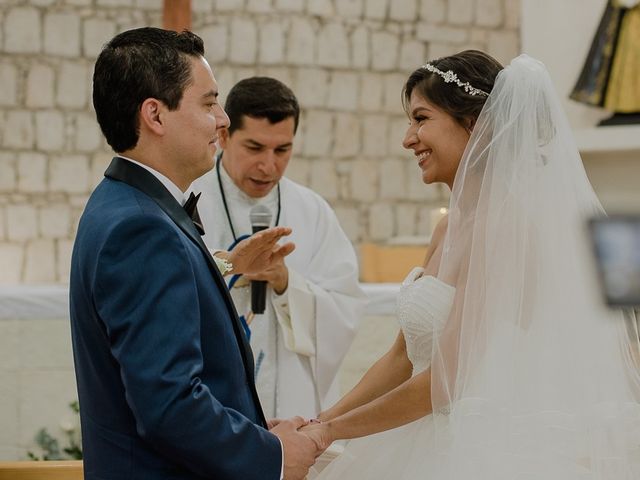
<point>532,377</point>
<point>423,307</point>
<point>416,451</point>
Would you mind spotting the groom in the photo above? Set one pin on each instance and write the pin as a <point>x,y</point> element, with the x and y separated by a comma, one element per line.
<point>164,372</point>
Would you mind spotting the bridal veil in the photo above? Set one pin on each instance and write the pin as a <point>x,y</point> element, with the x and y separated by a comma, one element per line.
<point>532,377</point>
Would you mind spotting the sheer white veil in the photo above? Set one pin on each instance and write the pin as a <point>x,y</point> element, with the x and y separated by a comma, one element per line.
<point>532,377</point>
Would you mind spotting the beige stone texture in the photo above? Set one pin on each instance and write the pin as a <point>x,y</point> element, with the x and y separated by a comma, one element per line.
<point>321,8</point>
<point>215,38</point>
<point>503,45</point>
<point>9,83</point>
<point>364,180</point>
<point>12,260</point>
<point>333,46</point>
<point>19,129</point>
<point>62,34</point>
<point>374,135</point>
<point>40,86</point>
<point>412,54</point>
<point>381,222</point>
<point>22,222</point>
<point>69,174</point>
<point>318,129</point>
<point>289,5</point>
<point>271,47</point>
<point>64,248</point>
<point>433,11</point>
<point>50,130</point>
<point>73,85</point>
<point>489,13</point>
<point>324,178</point>
<point>349,8</point>
<point>22,30</point>
<point>243,43</point>
<point>258,6</point>
<point>349,221</point>
<point>347,136</point>
<point>301,42</point>
<point>343,91</point>
<point>392,179</point>
<point>40,266</point>
<point>347,62</point>
<point>8,172</point>
<point>55,220</point>
<point>461,12</point>
<point>95,33</point>
<point>384,51</point>
<point>405,11</point>
<point>371,92</point>
<point>32,172</point>
<point>311,87</point>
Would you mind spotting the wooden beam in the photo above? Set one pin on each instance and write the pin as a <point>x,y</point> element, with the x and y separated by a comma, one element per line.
<point>176,15</point>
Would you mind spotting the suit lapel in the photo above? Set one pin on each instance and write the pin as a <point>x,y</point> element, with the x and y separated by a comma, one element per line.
<point>143,180</point>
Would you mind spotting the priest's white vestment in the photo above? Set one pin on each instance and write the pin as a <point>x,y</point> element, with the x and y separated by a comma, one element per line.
<point>302,337</point>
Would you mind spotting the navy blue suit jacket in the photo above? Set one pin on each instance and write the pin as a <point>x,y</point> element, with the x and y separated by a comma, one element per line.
<point>164,371</point>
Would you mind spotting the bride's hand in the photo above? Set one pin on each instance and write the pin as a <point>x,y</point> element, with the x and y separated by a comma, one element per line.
<point>326,415</point>
<point>320,433</point>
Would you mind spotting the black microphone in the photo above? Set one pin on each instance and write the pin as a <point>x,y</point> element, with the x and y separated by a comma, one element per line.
<point>260,217</point>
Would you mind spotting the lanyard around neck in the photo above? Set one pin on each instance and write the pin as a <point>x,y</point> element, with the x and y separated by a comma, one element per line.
<point>226,206</point>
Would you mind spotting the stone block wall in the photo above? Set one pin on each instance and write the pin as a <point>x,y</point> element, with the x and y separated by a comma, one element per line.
<point>37,383</point>
<point>345,59</point>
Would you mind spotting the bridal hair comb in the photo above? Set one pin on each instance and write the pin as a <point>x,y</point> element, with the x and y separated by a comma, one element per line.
<point>450,77</point>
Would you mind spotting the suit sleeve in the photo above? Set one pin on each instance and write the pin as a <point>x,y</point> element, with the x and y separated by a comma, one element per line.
<point>146,294</point>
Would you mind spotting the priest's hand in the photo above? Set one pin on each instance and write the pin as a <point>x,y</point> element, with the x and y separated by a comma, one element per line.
<point>259,252</point>
<point>277,275</point>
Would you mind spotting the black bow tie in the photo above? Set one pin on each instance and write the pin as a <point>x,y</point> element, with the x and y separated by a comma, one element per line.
<point>191,207</point>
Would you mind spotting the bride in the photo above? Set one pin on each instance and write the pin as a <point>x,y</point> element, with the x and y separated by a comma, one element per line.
<point>507,366</point>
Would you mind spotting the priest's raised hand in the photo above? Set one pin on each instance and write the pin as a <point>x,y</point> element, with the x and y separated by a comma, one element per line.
<point>259,252</point>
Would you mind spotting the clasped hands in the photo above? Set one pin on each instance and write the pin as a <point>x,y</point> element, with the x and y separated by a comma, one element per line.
<point>260,257</point>
<point>303,441</point>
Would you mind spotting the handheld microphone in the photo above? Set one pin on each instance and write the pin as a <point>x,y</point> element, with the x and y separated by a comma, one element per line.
<point>260,217</point>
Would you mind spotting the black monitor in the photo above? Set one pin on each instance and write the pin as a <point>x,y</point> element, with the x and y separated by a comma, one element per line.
<point>616,244</point>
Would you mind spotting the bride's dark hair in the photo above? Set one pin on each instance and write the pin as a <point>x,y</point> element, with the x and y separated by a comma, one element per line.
<point>473,66</point>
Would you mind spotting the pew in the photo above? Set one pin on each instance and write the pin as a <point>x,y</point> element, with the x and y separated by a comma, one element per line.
<point>45,470</point>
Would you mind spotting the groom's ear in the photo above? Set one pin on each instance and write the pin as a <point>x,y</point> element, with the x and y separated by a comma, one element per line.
<point>151,116</point>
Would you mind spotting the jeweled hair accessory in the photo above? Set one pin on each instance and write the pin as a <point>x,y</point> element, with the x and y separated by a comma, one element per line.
<point>450,77</point>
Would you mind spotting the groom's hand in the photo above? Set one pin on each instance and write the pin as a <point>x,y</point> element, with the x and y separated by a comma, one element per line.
<point>274,422</point>
<point>320,433</point>
<point>299,450</point>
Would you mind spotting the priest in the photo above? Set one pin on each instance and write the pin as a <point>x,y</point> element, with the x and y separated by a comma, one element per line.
<point>313,301</point>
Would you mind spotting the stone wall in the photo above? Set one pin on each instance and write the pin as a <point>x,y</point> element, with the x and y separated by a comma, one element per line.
<point>345,59</point>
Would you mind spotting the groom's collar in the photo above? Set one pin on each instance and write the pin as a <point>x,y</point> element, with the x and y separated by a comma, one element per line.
<point>178,194</point>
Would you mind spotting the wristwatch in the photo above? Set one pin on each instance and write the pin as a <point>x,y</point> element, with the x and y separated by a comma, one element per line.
<point>225,266</point>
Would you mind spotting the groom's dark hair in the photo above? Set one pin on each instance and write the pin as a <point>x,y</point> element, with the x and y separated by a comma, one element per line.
<point>136,65</point>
